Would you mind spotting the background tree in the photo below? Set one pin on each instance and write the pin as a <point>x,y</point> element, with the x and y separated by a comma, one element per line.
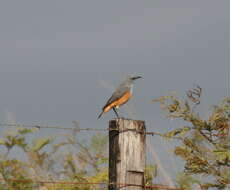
<point>204,143</point>
<point>48,159</point>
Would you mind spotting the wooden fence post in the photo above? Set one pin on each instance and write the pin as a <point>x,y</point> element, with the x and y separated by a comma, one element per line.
<point>126,154</point>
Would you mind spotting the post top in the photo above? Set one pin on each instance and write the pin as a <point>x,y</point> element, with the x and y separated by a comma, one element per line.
<point>124,119</point>
<point>121,124</point>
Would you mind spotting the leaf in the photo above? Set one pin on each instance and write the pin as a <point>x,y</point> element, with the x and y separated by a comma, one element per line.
<point>2,142</point>
<point>98,143</point>
<point>100,176</point>
<point>101,161</point>
<point>222,155</point>
<point>24,131</point>
<point>59,145</point>
<point>40,143</point>
<point>186,181</point>
<point>150,174</point>
<point>182,151</point>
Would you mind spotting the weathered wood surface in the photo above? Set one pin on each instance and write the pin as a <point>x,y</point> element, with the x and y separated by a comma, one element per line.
<point>126,154</point>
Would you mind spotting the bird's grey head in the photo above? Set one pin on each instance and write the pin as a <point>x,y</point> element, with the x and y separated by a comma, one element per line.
<point>131,79</point>
<point>128,83</point>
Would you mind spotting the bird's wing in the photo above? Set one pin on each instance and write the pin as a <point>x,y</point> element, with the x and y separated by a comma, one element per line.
<point>119,92</point>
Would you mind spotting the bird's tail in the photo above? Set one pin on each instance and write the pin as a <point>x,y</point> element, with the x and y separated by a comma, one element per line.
<point>100,114</point>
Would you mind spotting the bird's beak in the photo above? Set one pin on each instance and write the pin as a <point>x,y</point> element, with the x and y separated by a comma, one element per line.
<point>137,77</point>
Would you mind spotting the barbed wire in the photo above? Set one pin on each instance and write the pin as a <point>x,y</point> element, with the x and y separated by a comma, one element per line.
<point>154,186</point>
<point>77,129</point>
<point>50,127</point>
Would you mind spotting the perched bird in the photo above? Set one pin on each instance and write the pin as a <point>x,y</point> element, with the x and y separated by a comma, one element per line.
<point>121,95</point>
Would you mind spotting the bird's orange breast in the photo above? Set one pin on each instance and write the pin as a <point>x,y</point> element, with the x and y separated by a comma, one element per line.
<point>122,100</point>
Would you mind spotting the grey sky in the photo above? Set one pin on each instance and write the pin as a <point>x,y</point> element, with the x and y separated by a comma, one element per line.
<point>55,56</point>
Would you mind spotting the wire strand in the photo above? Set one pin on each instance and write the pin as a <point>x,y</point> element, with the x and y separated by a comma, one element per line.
<point>151,133</point>
<point>154,186</point>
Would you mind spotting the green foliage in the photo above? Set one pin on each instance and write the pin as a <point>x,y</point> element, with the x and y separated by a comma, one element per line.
<point>150,174</point>
<point>205,143</point>
<point>186,181</point>
<point>15,169</point>
<point>40,143</point>
<point>46,159</point>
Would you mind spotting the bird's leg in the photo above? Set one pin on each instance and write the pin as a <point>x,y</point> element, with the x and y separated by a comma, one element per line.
<point>114,109</point>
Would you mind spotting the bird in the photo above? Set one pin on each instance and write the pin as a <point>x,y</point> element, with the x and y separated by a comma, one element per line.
<point>120,96</point>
